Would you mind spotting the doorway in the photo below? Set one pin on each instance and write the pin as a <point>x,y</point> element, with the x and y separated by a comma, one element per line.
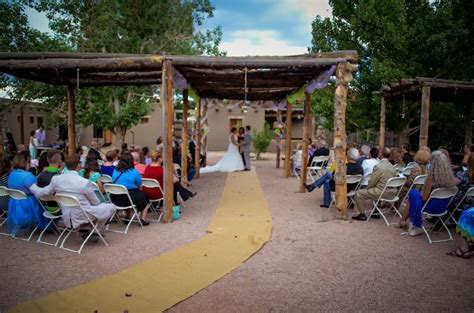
<point>235,122</point>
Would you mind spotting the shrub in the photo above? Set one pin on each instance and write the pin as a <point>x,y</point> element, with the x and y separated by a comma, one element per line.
<point>262,139</point>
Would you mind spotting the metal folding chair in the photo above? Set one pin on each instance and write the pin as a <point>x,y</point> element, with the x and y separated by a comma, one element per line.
<point>52,217</point>
<point>20,195</point>
<point>350,180</point>
<point>439,193</point>
<point>155,203</point>
<point>469,193</point>
<point>318,164</point>
<point>420,181</point>
<point>114,189</point>
<point>393,183</point>
<point>98,193</point>
<point>69,202</point>
<point>3,214</point>
<point>106,179</point>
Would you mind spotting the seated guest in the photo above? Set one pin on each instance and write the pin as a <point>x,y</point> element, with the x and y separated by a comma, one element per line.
<point>364,154</point>
<point>92,172</point>
<point>321,151</point>
<point>406,155</point>
<point>72,184</point>
<point>396,157</point>
<point>465,229</point>
<point>439,176</point>
<point>146,156</point>
<point>328,182</point>
<point>465,180</point>
<point>5,170</point>
<point>381,174</point>
<point>155,171</point>
<point>23,214</point>
<point>140,167</point>
<point>419,167</point>
<point>368,166</point>
<point>108,167</point>
<point>126,175</point>
<point>297,158</point>
<point>44,179</point>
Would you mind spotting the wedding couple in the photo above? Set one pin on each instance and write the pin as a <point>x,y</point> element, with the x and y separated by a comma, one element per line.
<point>237,157</point>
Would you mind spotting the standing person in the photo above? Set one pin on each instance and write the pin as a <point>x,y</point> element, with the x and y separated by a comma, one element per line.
<point>231,161</point>
<point>240,140</point>
<point>40,134</point>
<point>246,146</point>
<point>93,152</point>
<point>33,145</point>
<point>73,184</point>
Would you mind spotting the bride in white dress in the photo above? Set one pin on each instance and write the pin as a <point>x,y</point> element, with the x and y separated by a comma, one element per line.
<point>231,161</point>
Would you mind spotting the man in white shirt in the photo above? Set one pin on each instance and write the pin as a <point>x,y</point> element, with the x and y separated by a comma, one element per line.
<point>368,166</point>
<point>40,134</point>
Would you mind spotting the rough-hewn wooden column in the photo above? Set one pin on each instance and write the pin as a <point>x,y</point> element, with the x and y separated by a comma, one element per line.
<point>382,123</point>
<point>168,117</point>
<point>197,138</point>
<point>468,112</point>
<point>204,144</point>
<point>71,120</point>
<point>343,77</point>
<point>306,137</point>
<point>425,115</point>
<point>184,139</point>
<point>289,133</point>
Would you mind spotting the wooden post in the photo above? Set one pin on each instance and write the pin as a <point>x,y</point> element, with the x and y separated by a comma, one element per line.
<point>425,115</point>
<point>204,145</point>
<point>197,160</point>
<point>382,123</point>
<point>168,116</point>
<point>468,112</point>
<point>306,137</point>
<point>289,129</point>
<point>22,126</point>
<point>278,139</point>
<point>343,77</point>
<point>184,140</point>
<point>71,120</point>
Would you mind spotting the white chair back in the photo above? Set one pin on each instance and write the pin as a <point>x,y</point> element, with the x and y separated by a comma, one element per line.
<point>67,200</point>
<point>106,179</point>
<point>151,183</point>
<point>95,187</point>
<point>115,189</point>
<point>353,179</point>
<point>3,191</point>
<point>443,193</point>
<point>420,179</point>
<point>406,171</point>
<point>398,167</point>
<point>16,194</point>
<point>320,159</point>
<point>395,182</point>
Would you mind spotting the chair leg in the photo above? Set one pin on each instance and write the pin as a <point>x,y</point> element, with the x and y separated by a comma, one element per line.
<point>450,237</point>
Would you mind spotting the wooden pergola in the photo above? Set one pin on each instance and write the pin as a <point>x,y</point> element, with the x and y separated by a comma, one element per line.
<point>241,78</point>
<point>429,89</point>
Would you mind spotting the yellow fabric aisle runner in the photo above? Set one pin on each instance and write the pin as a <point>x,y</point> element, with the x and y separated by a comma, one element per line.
<point>240,227</point>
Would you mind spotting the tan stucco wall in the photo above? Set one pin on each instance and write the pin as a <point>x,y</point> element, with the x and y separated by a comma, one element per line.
<point>219,125</point>
<point>14,124</point>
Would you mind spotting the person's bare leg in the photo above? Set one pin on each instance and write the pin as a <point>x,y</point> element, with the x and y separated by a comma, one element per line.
<point>406,213</point>
<point>144,212</point>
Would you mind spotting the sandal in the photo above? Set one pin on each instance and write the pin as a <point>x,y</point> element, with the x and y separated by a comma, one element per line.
<point>401,225</point>
<point>459,253</point>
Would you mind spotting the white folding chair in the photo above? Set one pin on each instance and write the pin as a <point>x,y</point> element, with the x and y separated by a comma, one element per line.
<point>114,189</point>
<point>439,193</point>
<point>420,181</point>
<point>406,171</point>
<point>155,203</point>
<point>19,195</point>
<point>458,208</point>
<point>106,179</point>
<point>53,217</point>
<point>398,167</point>
<point>69,202</point>
<point>393,183</point>
<point>98,193</point>
<point>318,164</point>
<point>177,170</point>
<point>350,180</point>
<point>3,214</point>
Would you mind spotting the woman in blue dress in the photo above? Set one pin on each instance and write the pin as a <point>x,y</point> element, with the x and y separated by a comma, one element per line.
<point>465,228</point>
<point>439,176</point>
<point>23,214</point>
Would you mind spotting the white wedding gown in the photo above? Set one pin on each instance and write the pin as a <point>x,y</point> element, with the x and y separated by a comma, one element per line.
<point>230,162</point>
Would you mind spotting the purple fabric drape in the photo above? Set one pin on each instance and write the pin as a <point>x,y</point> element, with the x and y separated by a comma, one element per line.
<point>321,81</point>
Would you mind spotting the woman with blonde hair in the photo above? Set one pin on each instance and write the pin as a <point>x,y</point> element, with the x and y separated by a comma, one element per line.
<point>439,176</point>
<point>422,159</point>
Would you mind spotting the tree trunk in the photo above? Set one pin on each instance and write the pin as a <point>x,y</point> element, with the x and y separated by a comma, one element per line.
<point>404,136</point>
<point>120,135</point>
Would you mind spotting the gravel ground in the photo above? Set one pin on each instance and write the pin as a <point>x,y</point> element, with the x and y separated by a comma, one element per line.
<point>311,263</point>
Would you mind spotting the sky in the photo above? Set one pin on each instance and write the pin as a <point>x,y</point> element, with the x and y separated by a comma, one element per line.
<point>253,27</point>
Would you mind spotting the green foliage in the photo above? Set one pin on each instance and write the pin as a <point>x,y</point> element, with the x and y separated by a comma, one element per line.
<point>262,139</point>
<point>397,39</point>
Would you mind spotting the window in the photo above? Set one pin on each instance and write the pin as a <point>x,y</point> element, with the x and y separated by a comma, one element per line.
<point>39,120</point>
<point>144,120</point>
<point>32,119</point>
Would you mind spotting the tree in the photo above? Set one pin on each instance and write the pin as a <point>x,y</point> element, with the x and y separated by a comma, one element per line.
<point>398,39</point>
<point>111,26</point>
<point>262,139</point>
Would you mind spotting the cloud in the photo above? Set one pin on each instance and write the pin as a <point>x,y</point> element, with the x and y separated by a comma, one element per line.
<point>259,42</point>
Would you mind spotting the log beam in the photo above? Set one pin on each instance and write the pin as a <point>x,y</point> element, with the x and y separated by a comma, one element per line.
<point>289,133</point>
<point>184,139</point>
<point>71,120</point>
<point>343,77</point>
<point>168,116</point>
<point>306,138</point>
<point>468,114</point>
<point>382,122</point>
<point>425,115</point>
